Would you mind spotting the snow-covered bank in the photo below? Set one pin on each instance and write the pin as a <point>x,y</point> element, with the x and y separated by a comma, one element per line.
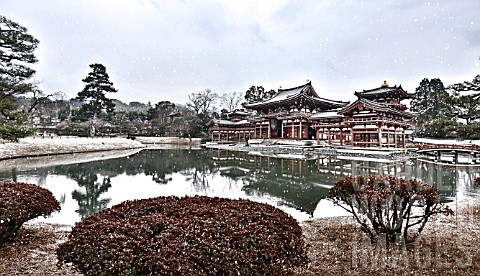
<point>29,147</point>
<point>446,141</point>
<point>62,159</point>
<point>169,140</point>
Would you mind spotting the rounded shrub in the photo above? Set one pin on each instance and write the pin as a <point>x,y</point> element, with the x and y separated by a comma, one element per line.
<point>21,202</point>
<point>186,236</point>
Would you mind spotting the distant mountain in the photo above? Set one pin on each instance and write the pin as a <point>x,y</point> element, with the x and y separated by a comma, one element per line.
<point>132,106</point>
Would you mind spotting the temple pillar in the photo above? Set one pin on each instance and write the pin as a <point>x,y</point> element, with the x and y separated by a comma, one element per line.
<point>395,137</point>
<point>300,134</point>
<point>328,133</point>
<point>341,137</point>
<point>293,130</point>
<point>380,136</point>
<point>353,138</point>
<point>388,137</point>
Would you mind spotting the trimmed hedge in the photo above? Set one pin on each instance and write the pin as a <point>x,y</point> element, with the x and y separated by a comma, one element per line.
<point>21,202</point>
<point>190,235</point>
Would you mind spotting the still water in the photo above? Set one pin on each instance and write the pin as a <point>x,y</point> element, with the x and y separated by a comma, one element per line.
<point>86,183</point>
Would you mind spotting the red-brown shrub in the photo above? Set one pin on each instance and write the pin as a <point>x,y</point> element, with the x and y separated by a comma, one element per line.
<point>186,236</point>
<point>476,182</point>
<point>21,202</point>
<point>387,206</point>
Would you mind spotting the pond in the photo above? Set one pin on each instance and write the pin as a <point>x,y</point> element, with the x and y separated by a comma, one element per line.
<point>86,183</point>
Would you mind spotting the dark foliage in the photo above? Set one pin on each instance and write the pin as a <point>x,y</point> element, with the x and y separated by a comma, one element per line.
<point>14,133</point>
<point>257,94</point>
<point>394,208</point>
<point>21,202</point>
<point>476,182</point>
<point>186,236</point>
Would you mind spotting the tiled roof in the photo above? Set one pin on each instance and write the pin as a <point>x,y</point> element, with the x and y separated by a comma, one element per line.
<point>291,93</point>
<point>384,89</point>
<point>327,114</point>
<point>377,106</point>
<point>228,123</point>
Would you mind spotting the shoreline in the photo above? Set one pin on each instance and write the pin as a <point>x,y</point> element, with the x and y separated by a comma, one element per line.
<point>58,145</point>
<point>38,147</point>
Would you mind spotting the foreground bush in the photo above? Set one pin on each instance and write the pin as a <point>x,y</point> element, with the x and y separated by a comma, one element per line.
<point>476,182</point>
<point>21,202</point>
<point>190,235</point>
<point>395,208</point>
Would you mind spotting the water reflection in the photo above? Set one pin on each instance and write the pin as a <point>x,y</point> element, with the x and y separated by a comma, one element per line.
<point>88,196</point>
<point>297,184</point>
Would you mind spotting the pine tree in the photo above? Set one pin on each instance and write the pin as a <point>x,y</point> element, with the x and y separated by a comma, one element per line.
<point>258,94</point>
<point>17,48</point>
<point>93,95</point>
<point>433,105</point>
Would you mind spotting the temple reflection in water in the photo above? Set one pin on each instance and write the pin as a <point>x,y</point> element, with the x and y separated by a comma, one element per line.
<point>298,184</point>
<point>302,181</point>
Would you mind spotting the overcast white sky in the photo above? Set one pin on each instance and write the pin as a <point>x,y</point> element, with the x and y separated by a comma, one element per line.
<point>158,50</point>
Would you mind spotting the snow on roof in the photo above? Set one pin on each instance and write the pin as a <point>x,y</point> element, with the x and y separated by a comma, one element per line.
<point>230,123</point>
<point>383,89</point>
<point>284,94</point>
<point>327,114</point>
<point>239,112</point>
<point>376,105</point>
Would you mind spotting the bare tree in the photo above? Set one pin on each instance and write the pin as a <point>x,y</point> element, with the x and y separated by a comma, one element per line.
<point>231,101</point>
<point>202,101</point>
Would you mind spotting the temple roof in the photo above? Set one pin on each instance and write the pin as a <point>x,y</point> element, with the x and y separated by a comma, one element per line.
<point>376,106</point>
<point>239,113</point>
<point>326,114</point>
<point>221,122</point>
<point>384,91</point>
<point>303,93</point>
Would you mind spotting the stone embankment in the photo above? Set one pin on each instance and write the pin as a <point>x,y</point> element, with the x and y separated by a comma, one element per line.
<point>308,152</point>
<point>168,140</point>
<point>32,147</point>
<point>38,146</point>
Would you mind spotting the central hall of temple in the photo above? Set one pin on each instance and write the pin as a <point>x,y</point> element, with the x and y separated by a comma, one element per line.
<point>376,119</point>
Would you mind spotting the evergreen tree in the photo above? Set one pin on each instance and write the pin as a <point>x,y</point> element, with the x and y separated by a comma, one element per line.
<point>258,94</point>
<point>93,95</point>
<point>473,85</point>
<point>160,117</point>
<point>467,106</point>
<point>17,48</point>
<point>432,103</point>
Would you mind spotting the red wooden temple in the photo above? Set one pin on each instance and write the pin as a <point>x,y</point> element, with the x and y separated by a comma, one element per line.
<point>376,119</point>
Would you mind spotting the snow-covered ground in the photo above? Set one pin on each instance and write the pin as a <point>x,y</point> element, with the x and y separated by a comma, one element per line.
<point>169,140</point>
<point>28,147</point>
<point>446,141</point>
